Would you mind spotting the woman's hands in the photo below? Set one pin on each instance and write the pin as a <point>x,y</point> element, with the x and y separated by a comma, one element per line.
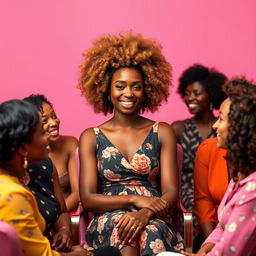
<point>159,206</point>
<point>62,240</point>
<point>131,223</point>
<point>203,250</point>
<point>129,226</point>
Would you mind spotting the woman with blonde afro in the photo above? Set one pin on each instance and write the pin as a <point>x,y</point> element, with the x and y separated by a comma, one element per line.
<point>128,174</point>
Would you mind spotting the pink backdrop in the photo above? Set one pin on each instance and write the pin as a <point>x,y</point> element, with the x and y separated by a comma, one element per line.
<point>42,43</point>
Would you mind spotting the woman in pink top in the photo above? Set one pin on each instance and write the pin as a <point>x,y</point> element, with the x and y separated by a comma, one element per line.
<point>236,130</point>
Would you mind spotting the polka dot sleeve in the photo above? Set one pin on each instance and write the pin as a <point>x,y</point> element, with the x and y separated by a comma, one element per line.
<point>17,209</point>
<point>236,234</point>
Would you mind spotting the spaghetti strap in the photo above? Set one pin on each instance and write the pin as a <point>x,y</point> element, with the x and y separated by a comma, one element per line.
<point>140,176</point>
<point>155,126</point>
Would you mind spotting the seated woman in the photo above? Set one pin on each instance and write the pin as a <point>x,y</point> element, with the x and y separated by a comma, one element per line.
<point>210,183</point>
<point>62,151</point>
<point>236,131</point>
<point>23,141</point>
<point>128,174</point>
<point>200,88</point>
<point>44,184</point>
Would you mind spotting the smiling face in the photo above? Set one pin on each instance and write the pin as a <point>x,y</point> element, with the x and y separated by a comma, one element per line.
<point>37,148</point>
<point>196,98</point>
<point>221,125</point>
<point>126,90</point>
<point>50,122</point>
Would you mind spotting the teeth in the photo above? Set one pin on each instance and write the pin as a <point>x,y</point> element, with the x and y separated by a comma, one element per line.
<point>54,132</point>
<point>127,103</point>
<point>192,105</point>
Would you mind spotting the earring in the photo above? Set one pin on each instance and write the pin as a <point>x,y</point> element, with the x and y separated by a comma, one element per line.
<point>26,178</point>
<point>211,106</point>
<point>25,161</point>
<point>109,98</point>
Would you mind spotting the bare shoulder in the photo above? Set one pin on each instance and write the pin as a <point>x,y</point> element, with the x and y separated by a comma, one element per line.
<point>71,141</point>
<point>165,131</point>
<point>178,128</point>
<point>88,137</point>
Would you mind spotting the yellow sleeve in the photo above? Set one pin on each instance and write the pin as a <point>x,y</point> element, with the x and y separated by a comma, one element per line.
<point>17,210</point>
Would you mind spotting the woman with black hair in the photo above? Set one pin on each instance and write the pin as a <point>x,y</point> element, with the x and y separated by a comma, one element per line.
<point>22,142</point>
<point>200,88</point>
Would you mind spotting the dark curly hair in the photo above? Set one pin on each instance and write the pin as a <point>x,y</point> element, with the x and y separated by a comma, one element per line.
<point>211,79</point>
<point>241,140</point>
<point>18,121</point>
<point>110,53</point>
<point>38,100</point>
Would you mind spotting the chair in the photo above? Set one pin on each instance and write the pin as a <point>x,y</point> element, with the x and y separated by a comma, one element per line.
<point>85,217</point>
<point>187,215</point>
<point>9,240</point>
<point>75,217</point>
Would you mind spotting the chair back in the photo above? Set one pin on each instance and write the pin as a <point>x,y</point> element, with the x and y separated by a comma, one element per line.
<point>9,240</point>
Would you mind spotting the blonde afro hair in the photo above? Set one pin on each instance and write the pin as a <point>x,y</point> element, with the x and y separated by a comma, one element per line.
<point>110,53</point>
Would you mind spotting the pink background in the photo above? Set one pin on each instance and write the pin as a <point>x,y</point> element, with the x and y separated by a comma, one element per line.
<point>42,43</point>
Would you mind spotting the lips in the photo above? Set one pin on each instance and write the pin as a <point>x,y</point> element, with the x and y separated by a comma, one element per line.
<point>54,132</point>
<point>192,105</point>
<point>127,104</point>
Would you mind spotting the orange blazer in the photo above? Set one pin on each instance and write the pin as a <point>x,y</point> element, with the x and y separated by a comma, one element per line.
<point>210,180</point>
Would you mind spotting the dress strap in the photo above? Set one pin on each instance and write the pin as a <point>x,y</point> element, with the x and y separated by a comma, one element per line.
<point>96,131</point>
<point>155,126</point>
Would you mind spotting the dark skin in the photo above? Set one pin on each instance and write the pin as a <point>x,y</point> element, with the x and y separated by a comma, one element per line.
<point>62,238</point>
<point>126,94</point>
<point>197,101</point>
<point>36,151</point>
<point>63,153</point>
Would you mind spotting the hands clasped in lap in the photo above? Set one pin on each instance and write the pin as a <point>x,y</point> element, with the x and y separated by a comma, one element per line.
<point>131,223</point>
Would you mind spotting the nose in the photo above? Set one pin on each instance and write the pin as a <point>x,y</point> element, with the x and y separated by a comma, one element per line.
<point>215,125</point>
<point>52,122</point>
<point>190,97</point>
<point>128,92</point>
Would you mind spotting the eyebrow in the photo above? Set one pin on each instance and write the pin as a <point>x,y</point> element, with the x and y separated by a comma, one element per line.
<point>121,81</point>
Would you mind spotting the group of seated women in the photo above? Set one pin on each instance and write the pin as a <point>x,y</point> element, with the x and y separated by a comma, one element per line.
<point>128,171</point>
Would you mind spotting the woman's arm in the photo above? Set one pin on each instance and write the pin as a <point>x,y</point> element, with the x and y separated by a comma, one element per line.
<point>88,179</point>
<point>62,238</point>
<point>168,164</point>
<point>131,223</point>
<point>22,209</point>
<point>178,127</point>
<point>238,235</point>
<point>72,199</point>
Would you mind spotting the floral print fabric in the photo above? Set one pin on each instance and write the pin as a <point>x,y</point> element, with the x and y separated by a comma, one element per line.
<point>119,177</point>
<point>236,232</point>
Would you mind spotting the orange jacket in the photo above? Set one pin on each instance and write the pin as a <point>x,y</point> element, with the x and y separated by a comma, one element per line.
<point>210,180</point>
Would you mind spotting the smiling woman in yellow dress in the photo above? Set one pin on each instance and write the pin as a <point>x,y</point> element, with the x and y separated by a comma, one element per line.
<point>22,142</point>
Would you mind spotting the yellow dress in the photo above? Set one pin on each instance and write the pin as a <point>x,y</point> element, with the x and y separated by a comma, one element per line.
<point>18,207</point>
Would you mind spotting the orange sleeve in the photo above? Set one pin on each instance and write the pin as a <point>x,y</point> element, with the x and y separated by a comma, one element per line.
<point>204,206</point>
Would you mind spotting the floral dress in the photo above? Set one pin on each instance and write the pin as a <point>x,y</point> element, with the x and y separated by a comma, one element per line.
<point>140,177</point>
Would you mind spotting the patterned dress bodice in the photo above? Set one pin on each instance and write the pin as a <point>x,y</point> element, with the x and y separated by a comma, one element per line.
<point>190,141</point>
<point>118,176</point>
<point>140,176</point>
